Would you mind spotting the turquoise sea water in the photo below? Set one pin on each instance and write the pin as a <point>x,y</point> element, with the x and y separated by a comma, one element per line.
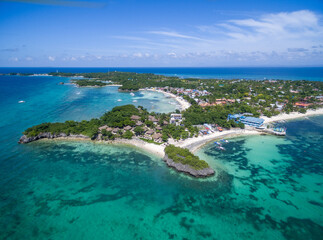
<point>267,187</point>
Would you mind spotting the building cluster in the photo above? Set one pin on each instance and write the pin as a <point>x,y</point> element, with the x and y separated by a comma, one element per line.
<point>192,93</point>
<point>176,119</point>
<point>306,102</point>
<point>247,120</point>
<point>220,101</point>
<point>148,133</point>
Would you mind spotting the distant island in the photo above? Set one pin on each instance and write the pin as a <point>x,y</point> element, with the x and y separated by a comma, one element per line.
<point>211,108</point>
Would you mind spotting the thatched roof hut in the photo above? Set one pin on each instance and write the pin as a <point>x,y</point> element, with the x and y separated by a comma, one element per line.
<point>115,130</point>
<point>127,128</point>
<point>139,123</point>
<point>103,127</point>
<point>153,119</point>
<point>150,132</point>
<point>157,136</point>
<point>135,117</point>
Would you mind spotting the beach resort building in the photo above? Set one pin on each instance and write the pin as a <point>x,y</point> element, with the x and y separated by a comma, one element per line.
<point>250,121</point>
<point>175,118</point>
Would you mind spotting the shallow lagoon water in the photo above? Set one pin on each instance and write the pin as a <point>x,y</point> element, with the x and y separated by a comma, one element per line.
<point>268,187</point>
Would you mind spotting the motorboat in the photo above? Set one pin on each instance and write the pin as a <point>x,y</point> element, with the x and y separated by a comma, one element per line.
<point>221,148</point>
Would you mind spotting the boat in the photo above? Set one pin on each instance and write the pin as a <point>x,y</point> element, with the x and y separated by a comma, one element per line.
<point>224,140</point>
<point>132,94</point>
<point>21,101</point>
<point>221,148</point>
<point>134,101</point>
<point>119,100</point>
<point>217,143</point>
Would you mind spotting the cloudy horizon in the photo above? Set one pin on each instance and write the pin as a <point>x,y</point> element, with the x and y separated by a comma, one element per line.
<point>103,33</point>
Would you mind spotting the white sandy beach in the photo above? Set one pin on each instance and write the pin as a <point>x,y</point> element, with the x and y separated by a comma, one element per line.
<point>194,144</point>
<point>182,102</point>
<point>293,115</point>
<point>150,147</point>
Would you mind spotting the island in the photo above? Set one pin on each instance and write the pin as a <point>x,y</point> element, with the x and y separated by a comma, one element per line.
<point>211,109</point>
<point>184,161</point>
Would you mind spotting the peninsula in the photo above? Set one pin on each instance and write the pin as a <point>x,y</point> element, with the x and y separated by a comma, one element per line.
<point>210,109</point>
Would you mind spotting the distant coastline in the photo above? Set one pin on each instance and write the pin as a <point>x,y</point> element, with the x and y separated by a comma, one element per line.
<point>251,73</point>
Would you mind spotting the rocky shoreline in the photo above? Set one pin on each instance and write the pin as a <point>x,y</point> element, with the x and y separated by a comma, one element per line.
<point>170,163</point>
<point>187,169</point>
<point>25,139</point>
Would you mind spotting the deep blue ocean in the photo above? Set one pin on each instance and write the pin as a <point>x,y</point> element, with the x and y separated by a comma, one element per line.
<point>254,73</point>
<point>267,187</point>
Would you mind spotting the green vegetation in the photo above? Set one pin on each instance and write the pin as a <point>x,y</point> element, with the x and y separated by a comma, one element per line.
<point>179,132</point>
<point>87,128</point>
<point>129,86</point>
<point>205,95</point>
<point>117,117</point>
<point>127,135</point>
<point>215,114</point>
<point>90,83</point>
<point>184,156</point>
<point>253,96</point>
<point>150,141</point>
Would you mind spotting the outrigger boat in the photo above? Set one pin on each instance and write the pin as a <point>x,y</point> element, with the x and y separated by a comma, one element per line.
<point>221,148</point>
<point>217,143</point>
<point>224,140</point>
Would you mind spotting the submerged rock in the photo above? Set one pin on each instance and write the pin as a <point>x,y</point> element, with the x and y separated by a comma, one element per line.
<point>188,169</point>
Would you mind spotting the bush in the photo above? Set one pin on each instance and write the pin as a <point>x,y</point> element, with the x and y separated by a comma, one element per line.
<point>127,135</point>
<point>184,156</point>
<point>302,110</point>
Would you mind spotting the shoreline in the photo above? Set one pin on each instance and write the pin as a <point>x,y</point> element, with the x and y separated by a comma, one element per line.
<point>157,150</point>
<point>183,103</point>
<point>193,144</point>
<point>293,115</point>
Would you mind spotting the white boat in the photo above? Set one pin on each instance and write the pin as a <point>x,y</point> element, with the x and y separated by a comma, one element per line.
<point>221,148</point>
<point>21,101</point>
<point>119,100</point>
<point>132,94</point>
<point>134,101</point>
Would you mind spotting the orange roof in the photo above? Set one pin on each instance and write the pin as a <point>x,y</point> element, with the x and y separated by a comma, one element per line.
<point>299,104</point>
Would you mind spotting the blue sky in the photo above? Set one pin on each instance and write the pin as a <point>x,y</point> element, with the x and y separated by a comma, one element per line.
<point>168,33</point>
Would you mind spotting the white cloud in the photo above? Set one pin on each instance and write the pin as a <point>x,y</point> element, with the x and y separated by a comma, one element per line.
<point>138,55</point>
<point>14,59</point>
<point>51,58</point>
<point>173,34</point>
<point>286,24</point>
